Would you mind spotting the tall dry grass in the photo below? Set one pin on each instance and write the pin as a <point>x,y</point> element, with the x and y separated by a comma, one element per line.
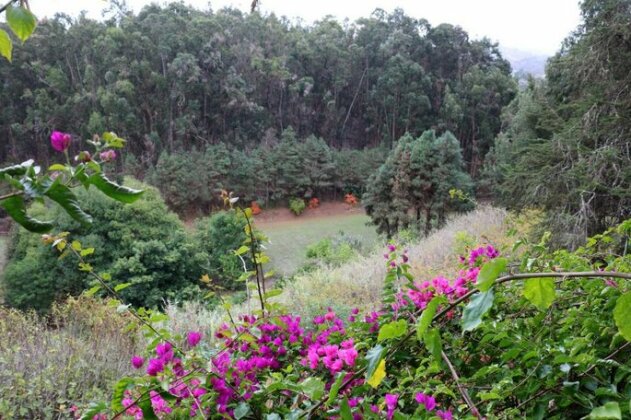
<point>73,356</point>
<point>359,282</point>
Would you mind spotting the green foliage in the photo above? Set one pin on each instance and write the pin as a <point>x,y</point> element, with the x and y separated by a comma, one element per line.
<point>569,126</point>
<point>140,243</point>
<point>333,251</point>
<point>412,186</point>
<point>297,206</point>
<point>217,237</point>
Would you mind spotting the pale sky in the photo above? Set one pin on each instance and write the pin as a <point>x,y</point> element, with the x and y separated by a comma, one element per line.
<point>537,26</point>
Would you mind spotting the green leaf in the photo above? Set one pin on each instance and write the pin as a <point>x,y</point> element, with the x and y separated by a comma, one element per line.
<point>121,286</point>
<point>92,291</point>
<point>475,310</point>
<point>93,410</point>
<point>540,292</point>
<point>112,140</point>
<point>490,272</point>
<point>335,388</point>
<point>394,329</point>
<point>16,209</point>
<point>17,170</point>
<point>6,46</point>
<point>57,167</point>
<point>64,196</point>
<point>272,416</point>
<point>433,343</point>
<point>272,293</point>
<point>622,315</point>
<point>21,21</point>
<point>426,317</point>
<point>345,410</point>
<point>610,410</point>
<point>373,357</point>
<point>313,388</point>
<point>113,190</point>
<point>242,410</point>
<point>119,393</point>
<point>242,250</point>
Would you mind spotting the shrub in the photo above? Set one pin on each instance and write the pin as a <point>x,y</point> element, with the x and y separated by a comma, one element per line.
<point>297,206</point>
<point>256,209</point>
<point>217,237</point>
<point>71,357</point>
<point>314,203</point>
<point>142,243</point>
<point>333,251</point>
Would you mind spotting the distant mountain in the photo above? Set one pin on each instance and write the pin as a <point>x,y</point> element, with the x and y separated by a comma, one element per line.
<point>525,62</point>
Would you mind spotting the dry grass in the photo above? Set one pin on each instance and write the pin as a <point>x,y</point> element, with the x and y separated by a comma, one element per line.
<point>71,357</point>
<point>359,282</point>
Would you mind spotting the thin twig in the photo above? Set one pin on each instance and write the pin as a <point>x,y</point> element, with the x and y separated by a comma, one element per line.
<point>6,6</point>
<point>9,195</point>
<point>463,391</point>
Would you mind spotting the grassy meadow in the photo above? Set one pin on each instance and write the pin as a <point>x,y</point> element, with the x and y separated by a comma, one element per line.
<point>289,239</point>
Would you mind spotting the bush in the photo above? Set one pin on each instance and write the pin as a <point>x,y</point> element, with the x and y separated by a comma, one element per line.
<point>332,251</point>
<point>297,206</point>
<point>74,356</point>
<point>217,237</point>
<point>142,243</point>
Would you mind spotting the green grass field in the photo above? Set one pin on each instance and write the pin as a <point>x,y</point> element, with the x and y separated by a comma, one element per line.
<point>289,239</point>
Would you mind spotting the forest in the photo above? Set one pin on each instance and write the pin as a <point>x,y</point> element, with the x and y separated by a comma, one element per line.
<point>454,241</point>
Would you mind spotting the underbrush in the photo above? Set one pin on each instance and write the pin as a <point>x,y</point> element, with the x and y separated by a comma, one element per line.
<point>359,282</point>
<point>73,356</point>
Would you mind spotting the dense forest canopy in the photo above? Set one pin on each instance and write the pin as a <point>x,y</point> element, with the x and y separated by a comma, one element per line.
<point>174,78</point>
<point>565,142</point>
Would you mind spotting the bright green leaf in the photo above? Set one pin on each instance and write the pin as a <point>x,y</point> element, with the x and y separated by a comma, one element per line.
<point>335,388</point>
<point>610,410</point>
<point>21,21</point>
<point>92,291</point>
<point>490,272</point>
<point>242,250</point>
<point>113,190</point>
<point>391,330</point>
<point>119,393</point>
<point>313,388</point>
<point>93,409</point>
<point>622,315</point>
<point>540,292</point>
<point>6,46</point>
<point>272,293</point>
<point>475,310</point>
<point>57,167</point>
<point>426,317</point>
<point>345,410</point>
<point>433,343</point>
<point>121,286</point>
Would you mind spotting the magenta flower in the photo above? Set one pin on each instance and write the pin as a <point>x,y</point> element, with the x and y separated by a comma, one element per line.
<point>158,404</point>
<point>60,141</point>
<point>427,400</point>
<point>444,415</point>
<point>391,404</point>
<point>137,362</point>
<point>193,338</point>
<point>107,155</point>
<point>154,367</point>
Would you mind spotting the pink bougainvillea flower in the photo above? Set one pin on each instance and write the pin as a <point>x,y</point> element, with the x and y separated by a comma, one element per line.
<point>427,400</point>
<point>193,338</point>
<point>391,404</point>
<point>137,362</point>
<point>154,367</point>
<point>444,415</point>
<point>107,155</point>
<point>60,141</point>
